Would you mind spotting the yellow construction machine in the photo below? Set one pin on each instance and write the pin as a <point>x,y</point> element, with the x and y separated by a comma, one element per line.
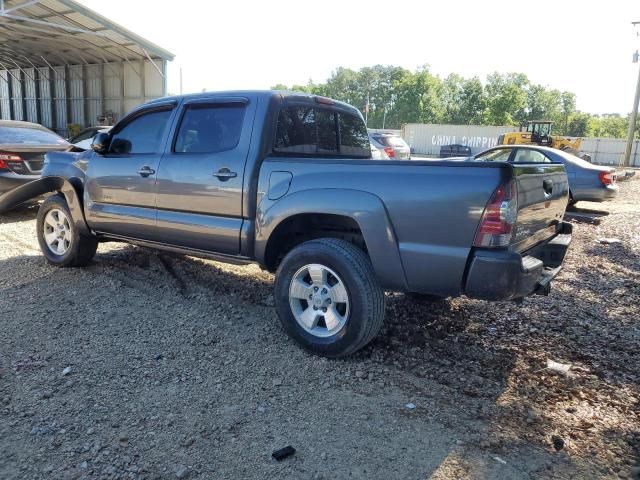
<point>539,133</point>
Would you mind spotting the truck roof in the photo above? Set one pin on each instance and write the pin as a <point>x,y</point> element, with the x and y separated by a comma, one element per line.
<point>285,94</point>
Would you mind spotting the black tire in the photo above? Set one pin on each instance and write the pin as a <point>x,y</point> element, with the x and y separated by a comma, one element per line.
<point>366,297</point>
<point>81,249</point>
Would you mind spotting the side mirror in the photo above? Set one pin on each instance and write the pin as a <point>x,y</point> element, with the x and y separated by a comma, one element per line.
<point>101,142</point>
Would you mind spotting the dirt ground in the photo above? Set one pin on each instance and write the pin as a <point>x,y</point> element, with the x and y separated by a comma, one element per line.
<point>148,365</point>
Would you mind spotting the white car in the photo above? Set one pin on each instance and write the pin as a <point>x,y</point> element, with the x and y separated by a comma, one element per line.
<point>391,144</point>
<point>378,154</point>
<point>85,138</point>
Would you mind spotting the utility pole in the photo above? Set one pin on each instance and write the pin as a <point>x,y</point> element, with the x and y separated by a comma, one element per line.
<point>634,113</point>
<point>366,112</point>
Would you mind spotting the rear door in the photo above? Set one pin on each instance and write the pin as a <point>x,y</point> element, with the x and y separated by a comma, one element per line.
<point>120,194</point>
<point>200,179</point>
<point>543,193</point>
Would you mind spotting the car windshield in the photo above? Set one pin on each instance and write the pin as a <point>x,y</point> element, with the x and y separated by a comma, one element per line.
<point>390,140</point>
<point>29,136</point>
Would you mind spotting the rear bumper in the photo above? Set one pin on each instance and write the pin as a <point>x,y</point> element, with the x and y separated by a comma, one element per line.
<point>598,194</point>
<point>10,180</point>
<point>506,275</point>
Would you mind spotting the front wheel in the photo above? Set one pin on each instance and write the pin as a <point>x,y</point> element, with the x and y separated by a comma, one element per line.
<point>59,239</point>
<point>327,297</point>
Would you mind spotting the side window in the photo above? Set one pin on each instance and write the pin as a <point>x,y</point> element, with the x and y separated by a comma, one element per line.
<point>210,128</point>
<point>354,139</point>
<point>524,155</point>
<point>143,134</point>
<point>499,155</point>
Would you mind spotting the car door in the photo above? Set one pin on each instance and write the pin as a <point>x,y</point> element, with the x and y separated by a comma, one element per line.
<point>120,191</point>
<point>200,179</point>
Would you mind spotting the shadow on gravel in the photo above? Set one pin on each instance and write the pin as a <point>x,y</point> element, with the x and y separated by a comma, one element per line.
<point>22,213</point>
<point>618,253</point>
<point>140,268</point>
<point>587,211</point>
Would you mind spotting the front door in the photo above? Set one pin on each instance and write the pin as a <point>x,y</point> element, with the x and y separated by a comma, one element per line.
<point>120,194</point>
<point>200,179</point>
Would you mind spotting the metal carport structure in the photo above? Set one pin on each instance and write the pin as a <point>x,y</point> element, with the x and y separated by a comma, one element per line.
<point>62,64</point>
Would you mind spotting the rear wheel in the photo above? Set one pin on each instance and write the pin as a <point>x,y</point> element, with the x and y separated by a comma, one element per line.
<point>327,297</point>
<point>59,239</point>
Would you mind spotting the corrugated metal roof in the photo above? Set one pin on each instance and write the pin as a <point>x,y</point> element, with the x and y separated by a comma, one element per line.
<point>65,32</point>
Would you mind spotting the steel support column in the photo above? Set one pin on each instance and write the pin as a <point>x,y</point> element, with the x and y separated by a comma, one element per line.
<point>67,92</point>
<point>12,110</point>
<point>51,73</point>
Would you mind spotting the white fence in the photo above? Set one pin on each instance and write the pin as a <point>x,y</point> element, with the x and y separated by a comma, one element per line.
<point>609,151</point>
<point>426,139</point>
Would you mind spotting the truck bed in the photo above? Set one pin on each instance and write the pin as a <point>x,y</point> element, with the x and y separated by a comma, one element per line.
<point>432,210</point>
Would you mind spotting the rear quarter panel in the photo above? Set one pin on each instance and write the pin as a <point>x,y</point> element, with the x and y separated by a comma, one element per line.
<point>586,185</point>
<point>432,208</point>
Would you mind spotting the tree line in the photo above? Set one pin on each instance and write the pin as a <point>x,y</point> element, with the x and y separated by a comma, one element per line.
<point>395,96</point>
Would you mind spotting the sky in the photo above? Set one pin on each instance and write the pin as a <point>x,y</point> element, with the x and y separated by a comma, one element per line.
<point>585,47</point>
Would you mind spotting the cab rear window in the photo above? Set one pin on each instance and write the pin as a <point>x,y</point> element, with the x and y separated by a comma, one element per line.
<point>354,139</point>
<point>311,131</point>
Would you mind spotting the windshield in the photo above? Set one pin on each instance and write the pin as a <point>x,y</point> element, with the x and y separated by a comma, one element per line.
<point>391,140</point>
<point>544,129</point>
<point>29,136</point>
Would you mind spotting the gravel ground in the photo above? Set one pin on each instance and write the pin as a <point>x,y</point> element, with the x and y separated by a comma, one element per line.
<point>148,365</point>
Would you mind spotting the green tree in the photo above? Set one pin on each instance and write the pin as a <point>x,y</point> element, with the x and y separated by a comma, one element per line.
<point>473,102</point>
<point>610,126</point>
<point>580,125</point>
<point>395,96</point>
<point>463,100</point>
<point>568,101</point>
<point>506,98</point>
<point>418,99</point>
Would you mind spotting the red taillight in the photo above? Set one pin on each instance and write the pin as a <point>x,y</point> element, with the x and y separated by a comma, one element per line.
<point>498,218</point>
<point>608,177</point>
<point>391,153</point>
<point>8,157</point>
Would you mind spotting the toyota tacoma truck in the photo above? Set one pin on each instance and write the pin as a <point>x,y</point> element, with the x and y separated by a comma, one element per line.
<point>286,180</point>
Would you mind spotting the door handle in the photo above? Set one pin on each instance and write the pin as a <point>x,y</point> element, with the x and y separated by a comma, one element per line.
<point>146,171</point>
<point>547,186</point>
<point>225,174</point>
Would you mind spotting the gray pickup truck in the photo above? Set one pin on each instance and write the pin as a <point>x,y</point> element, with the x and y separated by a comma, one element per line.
<point>286,180</point>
